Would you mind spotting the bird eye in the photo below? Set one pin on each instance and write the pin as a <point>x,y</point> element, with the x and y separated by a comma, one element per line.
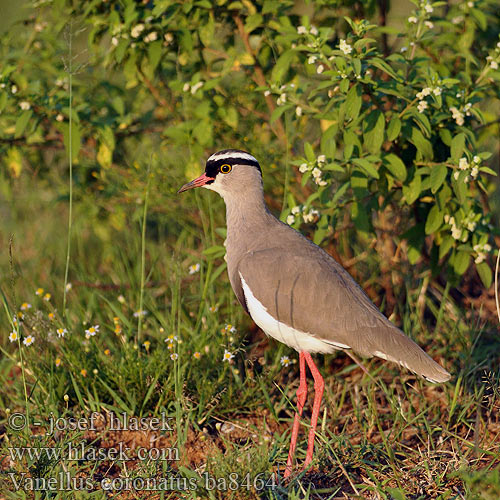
<point>225,169</point>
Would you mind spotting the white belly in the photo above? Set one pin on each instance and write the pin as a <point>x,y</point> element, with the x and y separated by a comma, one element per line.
<point>300,341</point>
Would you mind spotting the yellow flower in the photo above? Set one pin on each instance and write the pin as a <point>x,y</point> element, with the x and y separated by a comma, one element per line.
<point>118,329</point>
<point>51,316</point>
<point>47,297</point>
<point>197,355</point>
<point>58,362</point>
<point>25,306</point>
<point>13,336</point>
<point>107,352</point>
<point>174,356</point>
<point>83,371</point>
<point>116,319</point>
<point>146,344</point>
<point>39,291</point>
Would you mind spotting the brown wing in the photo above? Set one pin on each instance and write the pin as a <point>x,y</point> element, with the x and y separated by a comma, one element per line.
<point>302,286</point>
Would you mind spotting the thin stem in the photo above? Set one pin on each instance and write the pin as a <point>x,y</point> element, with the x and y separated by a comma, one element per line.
<point>143,257</point>
<point>70,149</point>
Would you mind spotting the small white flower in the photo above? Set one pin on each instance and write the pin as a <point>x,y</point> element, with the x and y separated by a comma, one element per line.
<point>28,340</point>
<point>403,49</point>
<point>174,356</point>
<point>456,174</point>
<point>313,30</point>
<point>151,37</point>
<point>267,92</point>
<point>296,210</point>
<point>320,182</point>
<point>169,38</point>
<point>90,332</point>
<point>194,268</point>
<point>456,232</point>
<point>25,306</point>
<point>59,117</point>
<point>137,30</point>
<point>457,19</point>
<point>13,89</point>
<point>428,8</point>
<point>301,30</point>
<point>298,111</point>
<point>422,106</point>
<point>290,219</point>
<point>171,339</point>
<point>13,336</point>
<point>303,168</point>
<point>140,313</point>
<point>493,65</point>
<point>312,59</point>
<point>321,159</point>
<point>186,87</point>
<point>413,20</point>
<point>476,159</point>
<point>24,105</point>
<point>471,226</point>
<point>437,91</point>
<point>114,41</point>
<point>457,115</point>
<point>424,93</point>
<point>196,87</point>
<point>69,286</point>
<point>480,258</point>
<point>470,4</point>
<point>281,99</point>
<point>474,172</point>
<point>213,309</point>
<point>487,247</point>
<point>285,361</point>
<point>228,355</point>
<point>463,164</point>
<point>345,47</point>
<point>320,69</point>
<point>61,332</point>
<point>429,24</point>
<point>316,172</point>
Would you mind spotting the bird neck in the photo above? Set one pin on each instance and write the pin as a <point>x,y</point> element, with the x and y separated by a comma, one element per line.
<point>246,216</point>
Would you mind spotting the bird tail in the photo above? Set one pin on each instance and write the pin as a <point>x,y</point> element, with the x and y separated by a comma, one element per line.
<point>398,348</point>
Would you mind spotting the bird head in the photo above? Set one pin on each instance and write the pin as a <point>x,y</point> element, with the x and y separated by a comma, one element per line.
<point>227,172</point>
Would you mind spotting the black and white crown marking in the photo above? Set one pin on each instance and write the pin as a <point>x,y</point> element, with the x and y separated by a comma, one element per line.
<point>231,157</point>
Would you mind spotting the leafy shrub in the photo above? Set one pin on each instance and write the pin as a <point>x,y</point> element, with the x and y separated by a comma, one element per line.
<point>376,119</point>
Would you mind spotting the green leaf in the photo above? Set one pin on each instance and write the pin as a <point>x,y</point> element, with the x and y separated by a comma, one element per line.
<point>457,146</point>
<point>394,128</point>
<point>309,152</point>
<point>22,122</point>
<point>412,191</point>
<point>353,102</point>
<point>367,167</point>
<point>437,177</point>
<point>484,271</point>
<point>434,220</point>
<point>445,246</point>
<point>374,131</point>
<point>282,65</point>
<point>380,64</point>
<point>154,54</point>
<point>424,147</point>
<point>395,166</point>
<point>460,262</point>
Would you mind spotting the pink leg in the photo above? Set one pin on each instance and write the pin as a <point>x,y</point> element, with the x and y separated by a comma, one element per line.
<point>319,385</point>
<point>301,400</point>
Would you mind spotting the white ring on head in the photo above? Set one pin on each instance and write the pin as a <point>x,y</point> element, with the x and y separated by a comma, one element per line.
<point>232,155</point>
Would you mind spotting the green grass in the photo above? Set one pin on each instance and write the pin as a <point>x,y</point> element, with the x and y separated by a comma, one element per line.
<point>390,435</point>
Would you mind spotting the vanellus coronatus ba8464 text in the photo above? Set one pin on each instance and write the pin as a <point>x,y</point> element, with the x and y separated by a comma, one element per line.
<point>294,291</point>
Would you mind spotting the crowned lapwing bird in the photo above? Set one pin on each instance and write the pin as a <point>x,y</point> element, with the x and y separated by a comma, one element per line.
<point>294,291</point>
